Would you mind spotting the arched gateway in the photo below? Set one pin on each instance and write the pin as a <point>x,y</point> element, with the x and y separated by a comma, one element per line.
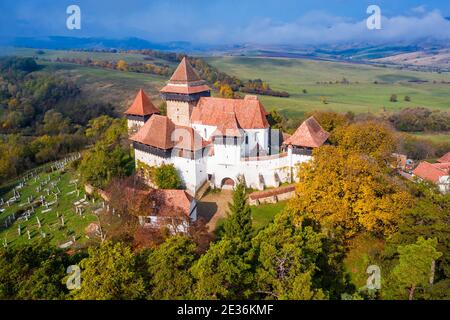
<point>227,183</point>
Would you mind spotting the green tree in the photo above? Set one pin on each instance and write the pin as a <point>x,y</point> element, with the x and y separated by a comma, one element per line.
<point>166,177</point>
<point>110,157</point>
<point>239,221</point>
<point>415,267</point>
<point>97,127</point>
<point>286,260</point>
<point>275,119</point>
<point>429,219</point>
<point>222,273</point>
<point>110,273</point>
<point>54,123</point>
<point>33,272</point>
<point>169,268</point>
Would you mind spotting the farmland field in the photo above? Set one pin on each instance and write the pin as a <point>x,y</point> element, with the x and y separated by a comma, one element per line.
<point>434,137</point>
<point>362,94</point>
<point>369,88</point>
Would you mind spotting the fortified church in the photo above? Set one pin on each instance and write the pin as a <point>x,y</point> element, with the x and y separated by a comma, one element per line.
<point>215,141</point>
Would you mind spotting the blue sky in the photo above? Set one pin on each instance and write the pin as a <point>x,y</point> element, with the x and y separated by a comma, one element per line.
<point>229,21</point>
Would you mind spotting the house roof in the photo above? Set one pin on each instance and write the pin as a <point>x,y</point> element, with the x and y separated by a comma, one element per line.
<point>309,134</point>
<point>430,172</point>
<point>185,80</point>
<point>444,158</point>
<point>160,132</point>
<point>156,132</point>
<point>142,105</point>
<point>167,201</point>
<point>247,113</point>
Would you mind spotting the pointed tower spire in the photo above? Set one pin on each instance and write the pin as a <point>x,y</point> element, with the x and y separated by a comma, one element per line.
<point>182,93</point>
<point>185,73</point>
<point>142,105</point>
<point>140,110</point>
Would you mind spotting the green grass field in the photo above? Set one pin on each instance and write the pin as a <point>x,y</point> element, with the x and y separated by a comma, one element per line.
<point>434,137</point>
<point>291,75</point>
<point>99,56</point>
<point>262,215</point>
<point>265,213</point>
<point>74,224</point>
<point>361,95</point>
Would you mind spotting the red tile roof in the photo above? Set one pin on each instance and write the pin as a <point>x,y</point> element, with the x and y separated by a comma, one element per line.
<point>248,112</point>
<point>429,172</point>
<point>184,89</point>
<point>166,201</point>
<point>443,166</point>
<point>142,105</point>
<point>271,192</point>
<point>444,158</point>
<point>160,132</point>
<point>184,73</point>
<point>309,134</point>
<point>185,80</point>
<point>156,132</point>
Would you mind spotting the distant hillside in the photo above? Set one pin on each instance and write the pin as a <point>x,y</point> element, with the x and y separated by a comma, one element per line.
<point>354,51</point>
<point>61,43</point>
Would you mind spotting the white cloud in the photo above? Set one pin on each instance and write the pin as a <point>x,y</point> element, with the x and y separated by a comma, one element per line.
<point>317,27</point>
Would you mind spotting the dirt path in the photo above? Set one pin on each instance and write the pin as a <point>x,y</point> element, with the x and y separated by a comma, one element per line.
<point>214,206</point>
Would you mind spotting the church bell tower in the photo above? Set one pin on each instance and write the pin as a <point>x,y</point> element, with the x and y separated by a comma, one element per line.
<point>182,93</point>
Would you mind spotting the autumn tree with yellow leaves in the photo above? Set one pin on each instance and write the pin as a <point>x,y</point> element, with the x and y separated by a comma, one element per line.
<point>122,65</point>
<point>349,192</point>
<point>372,138</point>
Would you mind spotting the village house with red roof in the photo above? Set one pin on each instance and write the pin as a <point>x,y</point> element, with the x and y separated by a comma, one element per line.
<point>215,141</point>
<point>436,173</point>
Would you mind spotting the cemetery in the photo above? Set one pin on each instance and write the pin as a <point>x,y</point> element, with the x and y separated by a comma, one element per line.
<point>47,204</point>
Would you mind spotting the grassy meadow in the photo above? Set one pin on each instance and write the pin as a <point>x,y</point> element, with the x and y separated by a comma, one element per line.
<point>369,88</point>
<point>361,95</point>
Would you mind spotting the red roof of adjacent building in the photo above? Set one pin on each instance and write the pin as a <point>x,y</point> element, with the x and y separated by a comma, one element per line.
<point>142,105</point>
<point>430,172</point>
<point>309,134</point>
<point>166,201</point>
<point>185,80</point>
<point>271,192</point>
<point>444,158</point>
<point>223,113</point>
<point>160,132</point>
